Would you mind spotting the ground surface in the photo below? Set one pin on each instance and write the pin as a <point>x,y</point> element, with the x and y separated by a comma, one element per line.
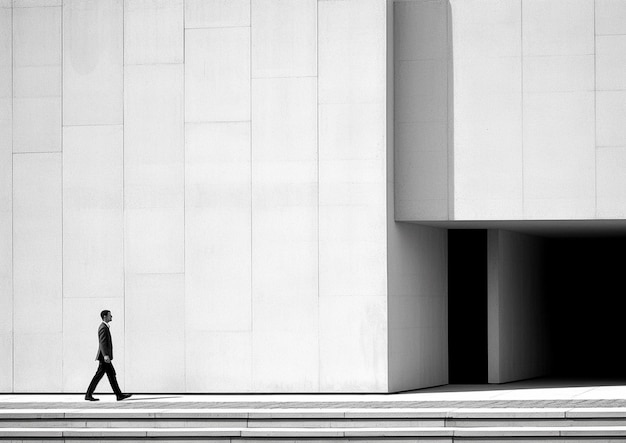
<point>540,393</point>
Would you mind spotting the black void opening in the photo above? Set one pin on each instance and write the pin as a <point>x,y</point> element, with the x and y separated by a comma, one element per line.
<point>467,306</point>
<point>587,306</point>
<point>582,319</point>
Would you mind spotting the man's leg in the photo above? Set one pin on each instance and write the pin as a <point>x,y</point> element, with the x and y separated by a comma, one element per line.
<point>110,371</point>
<point>96,379</point>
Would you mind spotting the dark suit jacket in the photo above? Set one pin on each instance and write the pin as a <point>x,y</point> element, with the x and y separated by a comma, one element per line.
<point>105,346</point>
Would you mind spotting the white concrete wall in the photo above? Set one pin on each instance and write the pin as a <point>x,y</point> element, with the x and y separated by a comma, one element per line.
<point>559,109</point>
<point>516,307</point>
<point>488,147</point>
<point>218,223</point>
<point>610,33</point>
<point>284,196</point>
<point>421,54</point>
<point>93,182</point>
<point>543,82</point>
<point>418,306</point>
<point>6,197</point>
<point>37,196</point>
<point>352,195</point>
<point>214,173</point>
<point>537,100</point>
<point>37,272</point>
<point>417,314</point>
<point>37,77</point>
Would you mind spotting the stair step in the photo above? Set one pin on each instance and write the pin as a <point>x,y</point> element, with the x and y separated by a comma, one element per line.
<point>289,425</point>
<point>320,433</point>
<point>396,413</point>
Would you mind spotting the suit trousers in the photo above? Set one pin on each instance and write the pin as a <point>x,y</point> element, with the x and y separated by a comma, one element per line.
<point>109,370</point>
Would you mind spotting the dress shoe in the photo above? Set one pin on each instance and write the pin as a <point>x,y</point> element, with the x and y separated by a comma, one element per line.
<point>123,397</point>
<point>91,398</point>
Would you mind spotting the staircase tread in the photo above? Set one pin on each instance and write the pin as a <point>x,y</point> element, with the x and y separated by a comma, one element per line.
<point>337,432</point>
<point>397,413</point>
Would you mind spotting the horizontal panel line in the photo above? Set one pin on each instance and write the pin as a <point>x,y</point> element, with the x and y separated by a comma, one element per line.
<point>438,59</point>
<point>557,55</point>
<point>44,65</point>
<point>464,58</point>
<point>379,103</point>
<point>95,124</point>
<point>35,6</point>
<point>18,67</point>
<point>286,76</point>
<point>610,146</point>
<point>526,92</point>
<point>34,97</point>
<point>216,121</point>
<point>182,63</point>
<point>191,28</point>
<point>416,122</point>
<point>99,297</point>
<point>29,333</point>
<point>38,152</point>
<point>148,273</point>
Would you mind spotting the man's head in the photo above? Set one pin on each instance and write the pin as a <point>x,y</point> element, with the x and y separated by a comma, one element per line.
<point>106,316</point>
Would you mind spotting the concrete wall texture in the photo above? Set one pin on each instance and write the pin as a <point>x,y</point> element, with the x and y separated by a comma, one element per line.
<point>537,98</point>
<point>423,110</point>
<point>226,177</point>
<point>417,271</point>
<point>517,313</point>
<point>215,173</point>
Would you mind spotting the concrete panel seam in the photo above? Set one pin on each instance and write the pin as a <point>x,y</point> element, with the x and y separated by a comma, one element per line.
<point>184,204</point>
<point>317,98</point>
<point>124,177</point>
<point>62,216</point>
<point>595,110</point>
<point>12,210</point>
<point>522,98</point>
<point>251,344</point>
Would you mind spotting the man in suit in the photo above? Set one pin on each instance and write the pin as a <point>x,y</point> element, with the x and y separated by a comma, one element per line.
<point>104,357</point>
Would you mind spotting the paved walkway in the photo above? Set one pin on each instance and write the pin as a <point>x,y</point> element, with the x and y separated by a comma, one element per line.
<point>542,393</point>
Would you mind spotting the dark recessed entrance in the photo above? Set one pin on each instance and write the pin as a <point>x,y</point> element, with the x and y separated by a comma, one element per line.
<point>584,282</point>
<point>467,306</point>
<point>587,306</point>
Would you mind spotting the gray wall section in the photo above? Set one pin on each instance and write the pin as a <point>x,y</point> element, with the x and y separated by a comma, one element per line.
<point>6,201</point>
<point>418,306</point>
<point>247,202</point>
<point>516,316</point>
<point>422,68</point>
<point>416,255</point>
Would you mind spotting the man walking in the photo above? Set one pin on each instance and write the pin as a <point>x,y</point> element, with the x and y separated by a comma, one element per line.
<point>104,356</point>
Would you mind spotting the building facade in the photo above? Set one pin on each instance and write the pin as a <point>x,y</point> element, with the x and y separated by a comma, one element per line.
<point>261,190</point>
